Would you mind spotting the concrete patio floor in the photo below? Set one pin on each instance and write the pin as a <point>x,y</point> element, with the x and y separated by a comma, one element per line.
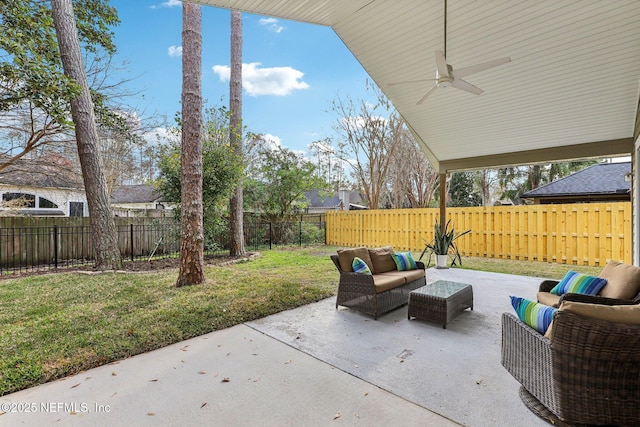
<point>313,365</point>
<point>455,372</point>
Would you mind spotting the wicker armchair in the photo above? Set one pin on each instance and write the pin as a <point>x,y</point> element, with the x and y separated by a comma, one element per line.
<point>547,285</point>
<point>587,372</point>
<point>623,284</point>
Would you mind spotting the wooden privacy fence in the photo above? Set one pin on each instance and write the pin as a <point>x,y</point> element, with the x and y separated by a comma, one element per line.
<point>28,243</point>
<point>576,234</point>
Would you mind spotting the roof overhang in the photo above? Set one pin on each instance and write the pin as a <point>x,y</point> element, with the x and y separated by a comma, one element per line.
<point>571,89</point>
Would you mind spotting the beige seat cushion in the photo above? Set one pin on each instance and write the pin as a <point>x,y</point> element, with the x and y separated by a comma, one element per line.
<point>409,275</point>
<point>345,258</point>
<point>547,298</point>
<point>623,280</point>
<point>382,260</point>
<point>625,314</point>
<point>384,282</point>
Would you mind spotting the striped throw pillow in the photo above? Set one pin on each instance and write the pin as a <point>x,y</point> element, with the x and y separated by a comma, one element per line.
<point>359,266</point>
<point>404,261</point>
<point>534,314</point>
<point>578,283</point>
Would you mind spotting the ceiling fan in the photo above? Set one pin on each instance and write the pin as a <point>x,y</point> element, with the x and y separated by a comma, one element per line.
<point>447,76</point>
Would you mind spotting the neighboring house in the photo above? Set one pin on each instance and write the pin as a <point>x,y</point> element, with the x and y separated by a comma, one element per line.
<point>138,200</point>
<point>604,182</point>
<point>30,188</point>
<point>320,201</point>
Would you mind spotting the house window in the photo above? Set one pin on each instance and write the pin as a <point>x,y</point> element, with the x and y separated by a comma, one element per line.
<point>76,208</point>
<point>22,200</point>
<point>46,203</point>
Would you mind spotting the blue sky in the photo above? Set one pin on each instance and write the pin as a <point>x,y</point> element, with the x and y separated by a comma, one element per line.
<point>292,70</point>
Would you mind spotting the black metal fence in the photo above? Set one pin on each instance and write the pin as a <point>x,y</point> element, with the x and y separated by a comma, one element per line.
<point>37,248</point>
<point>269,234</point>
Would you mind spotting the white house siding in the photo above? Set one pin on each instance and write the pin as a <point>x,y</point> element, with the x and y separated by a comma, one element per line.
<point>63,197</point>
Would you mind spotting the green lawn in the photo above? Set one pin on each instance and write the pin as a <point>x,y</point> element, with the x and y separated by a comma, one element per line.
<point>58,324</point>
<point>55,325</point>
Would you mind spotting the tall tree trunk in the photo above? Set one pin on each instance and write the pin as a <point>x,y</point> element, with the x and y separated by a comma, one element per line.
<point>103,229</point>
<point>192,236</point>
<point>236,212</point>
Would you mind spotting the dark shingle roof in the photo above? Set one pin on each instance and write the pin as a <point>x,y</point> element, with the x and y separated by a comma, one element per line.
<point>324,201</point>
<point>34,173</point>
<point>604,178</point>
<point>135,194</point>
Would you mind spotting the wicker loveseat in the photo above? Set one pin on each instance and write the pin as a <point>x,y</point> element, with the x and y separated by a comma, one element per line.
<point>586,370</point>
<point>383,290</point>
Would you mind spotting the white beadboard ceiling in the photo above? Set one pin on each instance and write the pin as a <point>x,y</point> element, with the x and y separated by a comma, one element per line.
<point>570,91</point>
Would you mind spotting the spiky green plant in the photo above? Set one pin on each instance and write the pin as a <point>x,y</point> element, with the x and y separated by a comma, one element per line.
<point>443,242</point>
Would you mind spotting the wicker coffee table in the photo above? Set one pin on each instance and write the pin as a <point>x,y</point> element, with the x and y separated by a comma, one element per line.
<point>440,301</point>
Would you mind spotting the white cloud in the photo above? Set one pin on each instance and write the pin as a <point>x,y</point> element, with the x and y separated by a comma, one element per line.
<point>160,136</point>
<point>272,24</point>
<point>280,81</point>
<point>174,51</point>
<point>271,141</point>
<point>168,3</point>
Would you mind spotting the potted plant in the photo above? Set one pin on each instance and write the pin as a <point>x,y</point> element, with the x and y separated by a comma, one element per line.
<point>443,244</point>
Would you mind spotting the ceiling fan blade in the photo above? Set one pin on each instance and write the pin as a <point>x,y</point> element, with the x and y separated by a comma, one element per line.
<point>410,81</point>
<point>441,63</point>
<point>472,69</point>
<point>426,95</point>
<point>461,84</point>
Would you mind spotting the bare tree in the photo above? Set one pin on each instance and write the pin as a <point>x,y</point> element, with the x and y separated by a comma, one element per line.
<point>34,89</point>
<point>101,217</point>
<point>412,180</point>
<point>192,237</point>
<point>487,181</point>
<point>370,134</point>
<point>329,166</point>
<point>236,212</point>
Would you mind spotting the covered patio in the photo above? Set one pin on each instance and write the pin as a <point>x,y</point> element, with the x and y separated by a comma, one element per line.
<point>570,91</point>
<point>454,372</point>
